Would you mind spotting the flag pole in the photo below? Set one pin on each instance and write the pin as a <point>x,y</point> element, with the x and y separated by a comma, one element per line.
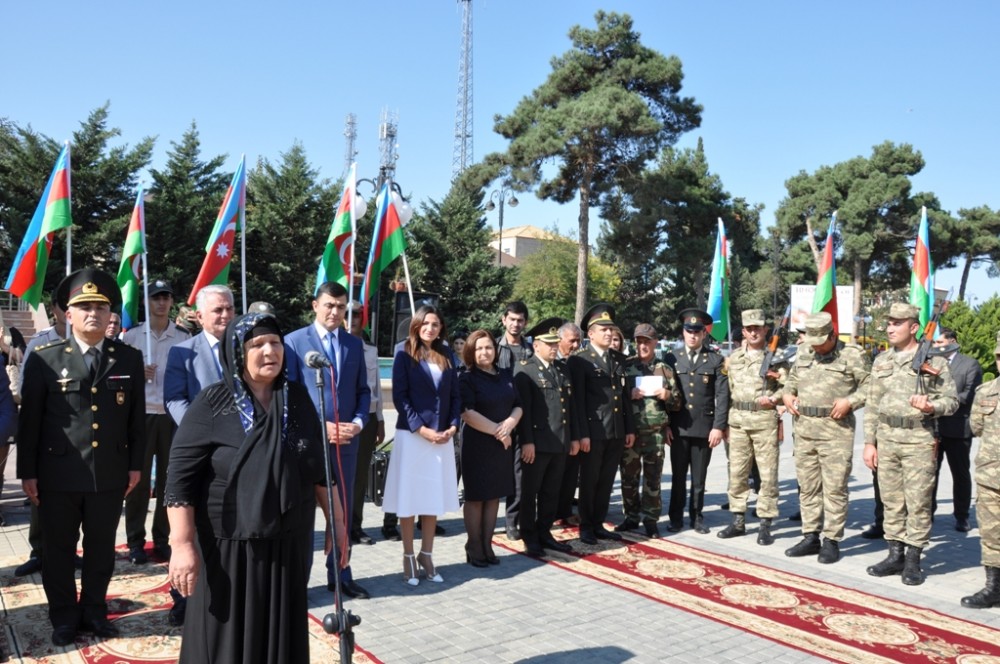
<point>69,229</point>
<point>145,282</point>
<point>243,234</point>
<point>353,184</point>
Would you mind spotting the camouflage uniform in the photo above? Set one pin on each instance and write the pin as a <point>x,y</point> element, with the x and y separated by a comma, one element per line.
<point>753,433</point>
<point>645,458</point>
<point>907,460</point>
<point>985,421</point>
<point>824,447</point>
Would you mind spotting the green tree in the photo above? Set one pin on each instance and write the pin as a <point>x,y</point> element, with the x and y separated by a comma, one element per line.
<point>183,203</point>
<point>449,254</point>
<point>975,240</point>
<point>604,111</point>
<point>546,281</point>
<point>976,329</point>
<point>877,215</point>
<point>289,212</point>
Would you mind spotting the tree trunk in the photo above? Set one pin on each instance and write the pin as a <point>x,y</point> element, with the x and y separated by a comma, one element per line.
<point>856,305</point>
<point>584,242</point>
<point>965,277</point>
<point>817,256</point>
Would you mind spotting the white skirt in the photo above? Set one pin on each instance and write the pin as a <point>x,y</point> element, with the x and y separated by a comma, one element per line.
<point>421,477</point>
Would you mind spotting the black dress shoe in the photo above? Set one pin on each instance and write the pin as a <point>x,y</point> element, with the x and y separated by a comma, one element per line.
<point>534,549</point>
<point>32,566</point>
<point>675,527</point>
<point>699,526</point>
<point>555,545</point>
<point>962,525</point>
<point>391,533</point>
<point>138,555</point>
<point>513,533</point>
<point>588,538</point>
<point>101,627</point>
<point>604,533</point>
<point>63,635</point>
<point>361,537</point>
<point>353,590</point>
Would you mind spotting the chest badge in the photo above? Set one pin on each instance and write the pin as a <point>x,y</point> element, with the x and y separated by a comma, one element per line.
<point>64,380</point>
<point>120,398</point>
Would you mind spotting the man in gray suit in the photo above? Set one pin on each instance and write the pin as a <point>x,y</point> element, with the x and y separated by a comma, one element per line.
<point>953,431</point>
<point>194,364</point>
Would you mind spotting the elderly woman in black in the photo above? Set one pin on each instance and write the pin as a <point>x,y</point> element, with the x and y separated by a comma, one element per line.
<point>244,471</point>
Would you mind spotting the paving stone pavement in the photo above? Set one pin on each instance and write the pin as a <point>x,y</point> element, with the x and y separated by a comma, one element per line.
<point>526,611</point>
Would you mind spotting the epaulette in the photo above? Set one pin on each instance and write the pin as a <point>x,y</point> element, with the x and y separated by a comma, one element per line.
<point>51,344</point>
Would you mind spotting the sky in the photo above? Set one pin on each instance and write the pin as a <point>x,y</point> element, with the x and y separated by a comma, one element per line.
<point>785,85</point>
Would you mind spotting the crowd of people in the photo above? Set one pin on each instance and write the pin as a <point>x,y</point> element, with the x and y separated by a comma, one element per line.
<point>223,415</point>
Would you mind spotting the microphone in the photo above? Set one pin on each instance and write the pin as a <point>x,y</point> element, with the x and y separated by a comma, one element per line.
<point>316,360</point>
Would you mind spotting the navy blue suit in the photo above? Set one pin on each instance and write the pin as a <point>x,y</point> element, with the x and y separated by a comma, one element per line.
<point>191,367</point>
<point>351,404</point>
<point>418,402</point>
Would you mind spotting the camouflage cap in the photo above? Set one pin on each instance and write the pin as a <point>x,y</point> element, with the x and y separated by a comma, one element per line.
<point>753,317</point>
<point>818,329</point>
<point>903,311</point>
<point>646,331</point>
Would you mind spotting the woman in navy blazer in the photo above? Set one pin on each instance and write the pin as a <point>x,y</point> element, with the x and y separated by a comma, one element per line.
<point>421,479</point>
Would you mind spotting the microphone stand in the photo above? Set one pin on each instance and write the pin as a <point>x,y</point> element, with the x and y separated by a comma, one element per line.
<point>340,622</point>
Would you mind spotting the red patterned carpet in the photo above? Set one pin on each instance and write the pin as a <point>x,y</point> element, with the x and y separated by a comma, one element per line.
<point>138,601</point>
<point>822,619</point>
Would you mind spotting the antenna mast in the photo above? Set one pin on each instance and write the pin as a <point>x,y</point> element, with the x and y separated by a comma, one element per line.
<point>462,157</point>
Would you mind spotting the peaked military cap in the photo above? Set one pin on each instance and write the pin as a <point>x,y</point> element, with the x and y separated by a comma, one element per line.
<point>903,311</point>
<point>695,320</point>
<point>753,317</point>
<point>547,331</point>
<point>160,286</point>
<point>601,313</point>
<point>818,328</point>
<point>88,285</point>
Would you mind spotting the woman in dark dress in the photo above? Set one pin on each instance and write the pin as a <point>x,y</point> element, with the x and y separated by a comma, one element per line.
<point>243,475</point>
<point>491,412</point>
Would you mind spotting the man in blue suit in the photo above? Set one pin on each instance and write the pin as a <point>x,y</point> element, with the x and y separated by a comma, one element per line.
<point>346,408</point>
<point>194,364</point>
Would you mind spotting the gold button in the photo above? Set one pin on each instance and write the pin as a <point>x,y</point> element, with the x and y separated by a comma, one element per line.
<point>691,395</point>
<point>616,410</point>
<point>95,426</point>
<point>94,444</point>
<point>690,407</point>
<point>93,390</point>
<point>94,408</point>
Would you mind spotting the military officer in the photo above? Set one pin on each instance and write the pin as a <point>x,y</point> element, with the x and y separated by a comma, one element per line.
<point>899,440</point>
<point>607,427</point>
<point>80,451</point>
<point>699,424</point>
<point>653,388</point>
<point>753,429</point>
<point>827,383</point>
<point>549,432</point>
<point>985,421</point>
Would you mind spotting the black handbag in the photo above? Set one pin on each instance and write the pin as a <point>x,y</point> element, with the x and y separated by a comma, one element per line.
<point>378,470</point>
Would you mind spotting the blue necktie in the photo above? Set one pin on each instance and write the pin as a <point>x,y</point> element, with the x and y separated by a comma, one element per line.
<point>330,347</point>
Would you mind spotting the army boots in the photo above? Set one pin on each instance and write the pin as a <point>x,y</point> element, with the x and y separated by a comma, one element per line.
<point>809,546</point>
<point>989,596</point>
<point>893,563</point>
<point>830,552</point>
<point>736,528</point>
<point>912,574</point>
<point>764,536</point>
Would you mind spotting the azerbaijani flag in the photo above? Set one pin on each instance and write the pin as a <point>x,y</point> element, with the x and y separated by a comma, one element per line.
<point>129,271</point>
<point>718,292</point>
<point>388,243</point>
<point>27,274</point>
<point>338,257</point>
<point>922,277</point>
<point>219,250</point>
<point>825,297</point>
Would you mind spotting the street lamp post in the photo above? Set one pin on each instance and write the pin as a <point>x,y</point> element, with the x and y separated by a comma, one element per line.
<point>501,195</point>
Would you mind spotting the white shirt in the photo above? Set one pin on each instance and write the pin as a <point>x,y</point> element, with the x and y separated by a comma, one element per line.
<point>159,347</point>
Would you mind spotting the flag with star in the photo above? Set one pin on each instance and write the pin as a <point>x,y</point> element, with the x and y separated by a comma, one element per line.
<point>219,250</point>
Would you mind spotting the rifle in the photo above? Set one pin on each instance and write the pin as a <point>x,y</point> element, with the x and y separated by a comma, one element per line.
<point>921,359</point>
<point>772,347</point>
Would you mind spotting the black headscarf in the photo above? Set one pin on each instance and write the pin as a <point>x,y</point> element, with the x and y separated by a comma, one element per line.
<point>264,476</point>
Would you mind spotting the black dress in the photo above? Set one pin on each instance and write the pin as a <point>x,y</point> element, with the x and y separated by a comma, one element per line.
<point>250,603</point>
<point>487,468</point>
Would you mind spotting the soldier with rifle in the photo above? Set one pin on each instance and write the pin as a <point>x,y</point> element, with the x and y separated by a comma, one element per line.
<point>909,389</point>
